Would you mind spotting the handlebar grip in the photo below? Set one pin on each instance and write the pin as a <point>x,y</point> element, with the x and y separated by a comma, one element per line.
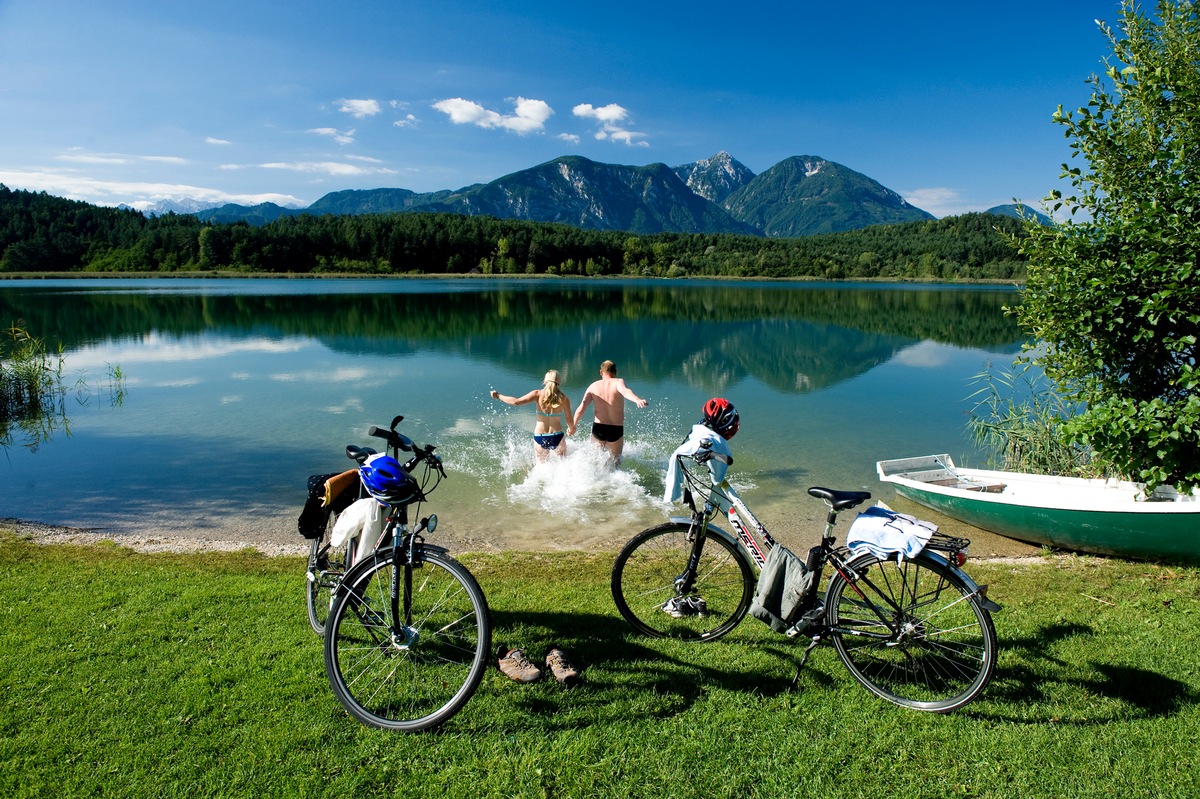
<point>397,440</point>
<point>704,456</point>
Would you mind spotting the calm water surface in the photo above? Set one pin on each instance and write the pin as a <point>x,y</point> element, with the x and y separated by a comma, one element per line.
<point>237,390</point>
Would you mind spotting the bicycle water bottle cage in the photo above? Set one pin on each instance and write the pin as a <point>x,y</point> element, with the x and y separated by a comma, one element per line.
<point>840,500</point>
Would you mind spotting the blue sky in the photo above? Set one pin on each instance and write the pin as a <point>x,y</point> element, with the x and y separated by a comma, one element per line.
<point>947,103</point>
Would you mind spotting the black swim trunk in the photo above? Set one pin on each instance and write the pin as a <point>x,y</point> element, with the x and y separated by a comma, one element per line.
<point>607,433</point>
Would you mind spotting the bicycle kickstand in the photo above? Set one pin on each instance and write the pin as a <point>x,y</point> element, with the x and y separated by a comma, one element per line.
<point>816,639</point>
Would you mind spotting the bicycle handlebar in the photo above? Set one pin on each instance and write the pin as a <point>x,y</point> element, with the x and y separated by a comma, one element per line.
<point>706,455</point>
<point>397,440</point>
<point>402,442</point>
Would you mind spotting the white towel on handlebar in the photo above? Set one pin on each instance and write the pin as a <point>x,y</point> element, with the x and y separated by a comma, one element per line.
<point>701,438</point>
<point>882,531</point>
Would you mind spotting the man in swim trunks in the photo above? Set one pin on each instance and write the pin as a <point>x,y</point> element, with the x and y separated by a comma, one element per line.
<point>609,394</point>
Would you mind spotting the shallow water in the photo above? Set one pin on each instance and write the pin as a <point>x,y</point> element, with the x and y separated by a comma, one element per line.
<point>237,390</point>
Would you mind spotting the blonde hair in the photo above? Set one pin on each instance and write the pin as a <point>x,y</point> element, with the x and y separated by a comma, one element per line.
<point>551,396</point>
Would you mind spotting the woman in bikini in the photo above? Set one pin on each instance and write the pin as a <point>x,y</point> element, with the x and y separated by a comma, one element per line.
<point>552,412</point>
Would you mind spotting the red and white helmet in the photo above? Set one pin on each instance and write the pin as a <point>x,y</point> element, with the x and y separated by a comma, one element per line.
<point>721,417</point>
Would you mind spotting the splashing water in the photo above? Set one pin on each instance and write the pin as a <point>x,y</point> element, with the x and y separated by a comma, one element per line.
<point>581,486</point>
<point>577,499</point>
<point>581,498</point>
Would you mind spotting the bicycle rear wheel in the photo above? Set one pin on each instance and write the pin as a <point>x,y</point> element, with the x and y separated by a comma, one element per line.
<point>644,579</point>
<point>407,677</point>
<point>326,565</point>
<point>912,632</point>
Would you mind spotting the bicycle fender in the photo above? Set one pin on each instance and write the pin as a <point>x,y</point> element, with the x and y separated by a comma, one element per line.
<point>972,586</point>
<point>712,528</point>
<point>975,588</point>
<point>364,564</point>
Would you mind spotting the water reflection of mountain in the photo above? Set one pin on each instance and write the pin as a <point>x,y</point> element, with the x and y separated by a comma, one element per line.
<point>794,338</point>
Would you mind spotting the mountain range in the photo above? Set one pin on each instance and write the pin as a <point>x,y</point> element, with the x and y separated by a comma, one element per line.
<point>799,196</point>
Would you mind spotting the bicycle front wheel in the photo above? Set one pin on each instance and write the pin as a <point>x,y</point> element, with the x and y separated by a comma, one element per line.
<point>648,568</point>
<point>413,673</point>
<point>326,565</point>
<point>912,632</point>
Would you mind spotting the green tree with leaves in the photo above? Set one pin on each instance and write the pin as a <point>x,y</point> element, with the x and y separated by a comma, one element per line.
<point>1113,293</point>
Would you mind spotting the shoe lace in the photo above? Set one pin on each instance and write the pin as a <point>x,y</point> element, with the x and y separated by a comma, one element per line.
<point>518,659</point>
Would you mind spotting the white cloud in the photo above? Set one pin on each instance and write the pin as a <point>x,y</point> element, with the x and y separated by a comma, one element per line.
<point>409,121</point>
<point>568,137</point>
<point>76,156</point>
<point>529,115</point>
<point>612,119</point>
<point>339,136</point>
<point>609,114</point>
<point>359,108</point>
<point>334,168</point>
<point>939,201</point>
<point>215,140</point>
<point>138,194</point>
<point>92,158</point>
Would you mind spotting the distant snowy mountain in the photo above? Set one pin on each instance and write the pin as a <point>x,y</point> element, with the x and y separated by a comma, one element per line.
<point>181,206</point>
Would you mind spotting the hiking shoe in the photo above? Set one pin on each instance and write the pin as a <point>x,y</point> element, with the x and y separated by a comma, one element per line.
<point>516,666</point>
<point>560,666</point>
<point>680,606</point>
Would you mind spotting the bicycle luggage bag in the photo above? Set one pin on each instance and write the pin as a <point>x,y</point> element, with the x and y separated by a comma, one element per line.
<point>782,587</point>
<point>315,515</point>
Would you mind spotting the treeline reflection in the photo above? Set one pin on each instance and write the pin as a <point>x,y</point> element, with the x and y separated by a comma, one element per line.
<point>791,338</point>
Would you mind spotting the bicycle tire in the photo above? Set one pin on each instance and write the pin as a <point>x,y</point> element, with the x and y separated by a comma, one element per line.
<point>931,646</point>
<point>326,565</point>
<point>644,575</point>
<point>417,683</point>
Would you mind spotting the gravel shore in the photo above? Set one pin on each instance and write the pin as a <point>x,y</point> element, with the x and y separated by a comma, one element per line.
<point>278,537</point>
<point>149,542</point>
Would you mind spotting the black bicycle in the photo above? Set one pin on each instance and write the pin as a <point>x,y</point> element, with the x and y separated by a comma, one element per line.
<point>408,634</point>
<point>916,631</point>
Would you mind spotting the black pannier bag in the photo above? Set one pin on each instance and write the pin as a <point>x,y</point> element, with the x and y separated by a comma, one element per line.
<point>783,585</point>
<point>314,518</point>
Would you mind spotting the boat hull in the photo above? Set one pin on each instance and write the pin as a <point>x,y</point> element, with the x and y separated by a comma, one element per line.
<point>1066,513</point>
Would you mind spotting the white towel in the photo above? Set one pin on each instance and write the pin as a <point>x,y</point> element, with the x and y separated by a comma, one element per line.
<point>694,443</point>
<point>882,531</point>
<point>362,520</point>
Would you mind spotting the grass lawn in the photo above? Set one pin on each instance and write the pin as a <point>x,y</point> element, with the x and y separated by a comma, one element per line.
<point>128,675</point>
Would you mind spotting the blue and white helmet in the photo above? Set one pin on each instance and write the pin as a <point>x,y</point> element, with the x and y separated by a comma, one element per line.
<point>386,480</point>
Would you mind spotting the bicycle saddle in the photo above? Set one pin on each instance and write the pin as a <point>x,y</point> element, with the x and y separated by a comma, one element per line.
<point>359,454</point>
<point>840,500</point>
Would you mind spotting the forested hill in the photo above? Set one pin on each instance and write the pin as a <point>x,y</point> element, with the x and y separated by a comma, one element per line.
<point>43,233</point>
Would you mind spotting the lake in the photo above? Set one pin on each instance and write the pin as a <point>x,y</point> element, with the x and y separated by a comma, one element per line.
<point>238,389</point>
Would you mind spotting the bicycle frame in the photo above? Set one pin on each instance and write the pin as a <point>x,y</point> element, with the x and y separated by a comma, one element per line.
<point>743,521</point>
